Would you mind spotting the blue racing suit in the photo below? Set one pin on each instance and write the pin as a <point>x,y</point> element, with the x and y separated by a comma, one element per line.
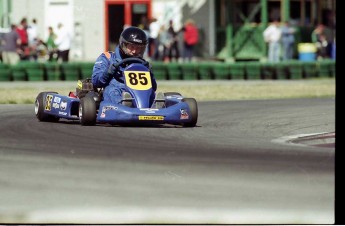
<point>113,88</point>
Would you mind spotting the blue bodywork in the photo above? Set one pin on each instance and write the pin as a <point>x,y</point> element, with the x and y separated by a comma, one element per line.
<point>137,80</point>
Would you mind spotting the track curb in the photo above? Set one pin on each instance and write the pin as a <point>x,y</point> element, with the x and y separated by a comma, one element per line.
<point>318,140</point>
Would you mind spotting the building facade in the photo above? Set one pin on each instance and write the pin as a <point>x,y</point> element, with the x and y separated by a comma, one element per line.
<point>229,29</point>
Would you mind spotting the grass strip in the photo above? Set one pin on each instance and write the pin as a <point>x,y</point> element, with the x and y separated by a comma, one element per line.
<point>213,90</point>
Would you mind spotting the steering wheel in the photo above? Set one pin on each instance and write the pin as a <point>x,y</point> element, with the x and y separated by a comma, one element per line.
<point>123,63</point>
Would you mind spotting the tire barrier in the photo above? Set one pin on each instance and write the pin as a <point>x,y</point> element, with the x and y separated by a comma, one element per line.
<point>295,69</point>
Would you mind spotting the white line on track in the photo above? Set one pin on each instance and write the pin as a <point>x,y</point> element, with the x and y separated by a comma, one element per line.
<point>176,216</point>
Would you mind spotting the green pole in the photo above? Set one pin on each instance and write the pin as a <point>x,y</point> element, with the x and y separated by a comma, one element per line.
<point>264,23</point>
<point>2,10</point>
<point>229,42</point>
<point>264,13</point>
<point>9,12</point>
<point>5,10</point>
<point>286,10</point>
<point>229,31</point>
<point>9,6</point>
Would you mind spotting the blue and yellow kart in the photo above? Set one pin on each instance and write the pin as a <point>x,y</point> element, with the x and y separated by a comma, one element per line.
<point>87,105</point>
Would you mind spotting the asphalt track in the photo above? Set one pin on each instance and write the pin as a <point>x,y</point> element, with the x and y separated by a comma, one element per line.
<point>236,167</point>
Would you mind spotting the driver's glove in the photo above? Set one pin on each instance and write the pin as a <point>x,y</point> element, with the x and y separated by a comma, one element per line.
<point>109,74</point>
<point>111,70</point>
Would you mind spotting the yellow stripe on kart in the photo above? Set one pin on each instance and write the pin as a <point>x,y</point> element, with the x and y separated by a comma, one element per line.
<point>145,117</point>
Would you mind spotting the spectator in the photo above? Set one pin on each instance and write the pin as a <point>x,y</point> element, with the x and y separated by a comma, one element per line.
<point>154,28</point>
<point>51,46</point>
<point>319,37</point>
<point>11,41</point>
<point>32,32</point>
<point>174,49</point>
<point>63,42</point>
<point>288,40</point>
<point>190,39</point>
<point>23,34</point>
<point>166,39</point>
<point>272,35</point>
<point>33,40</point>
<point>145,27</point>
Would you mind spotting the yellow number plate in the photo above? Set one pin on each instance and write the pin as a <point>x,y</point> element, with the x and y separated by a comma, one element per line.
<point>144,117</point>
<point>139,80</point>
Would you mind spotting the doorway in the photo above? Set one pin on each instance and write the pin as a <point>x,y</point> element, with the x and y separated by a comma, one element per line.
<point>120,13</point>
<point>116,21</point>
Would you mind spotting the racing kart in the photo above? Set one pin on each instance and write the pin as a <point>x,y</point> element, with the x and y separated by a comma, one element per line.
<point>88,107</point>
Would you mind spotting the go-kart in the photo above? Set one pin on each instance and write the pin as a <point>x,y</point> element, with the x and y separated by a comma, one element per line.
<point>88,107</point>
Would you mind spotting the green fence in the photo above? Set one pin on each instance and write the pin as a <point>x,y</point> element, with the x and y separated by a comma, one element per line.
<point>251,70</point>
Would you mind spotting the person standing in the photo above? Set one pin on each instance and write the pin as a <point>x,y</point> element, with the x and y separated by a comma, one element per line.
<point>174,49</point>
<point>24,39</point>
<point>288,41</point>
<point>144,25</point>
<point>11,43</point>
<point>319,37</point>
<point>33,40</point>
<point>32,32</point>
<point>272,35</point>
<point>165,39</point>
<point>190,39</point>
<point>51,46</point>
<point>154,29</point>
<point>63,42</point>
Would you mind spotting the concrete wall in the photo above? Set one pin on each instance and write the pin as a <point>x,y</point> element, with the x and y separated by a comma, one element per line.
<point>29,9</point>
<point>87,24</point>
<point>90,15</point>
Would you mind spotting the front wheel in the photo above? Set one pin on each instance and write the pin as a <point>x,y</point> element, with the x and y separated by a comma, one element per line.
<point>193,106</point>
<point>172,93</point>
<point>87,111</point>
<point>41,103</point>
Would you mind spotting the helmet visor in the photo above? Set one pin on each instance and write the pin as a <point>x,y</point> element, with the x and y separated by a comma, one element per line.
<point>133,50</point>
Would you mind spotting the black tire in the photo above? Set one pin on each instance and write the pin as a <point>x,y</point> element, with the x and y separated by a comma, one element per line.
<point>172,93</point>
<point>40,106</point>
<point>193,106</point>
<point>87,111</point>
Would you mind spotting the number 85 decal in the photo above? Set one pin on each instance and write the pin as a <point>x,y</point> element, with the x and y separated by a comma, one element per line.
<point>139,80</point>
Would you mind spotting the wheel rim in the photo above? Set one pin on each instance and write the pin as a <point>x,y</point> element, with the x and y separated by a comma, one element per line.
<point>80,111</point>
<point>37,105</point>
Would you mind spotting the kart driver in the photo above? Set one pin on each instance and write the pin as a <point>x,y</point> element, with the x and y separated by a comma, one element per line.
<point>132,43</point>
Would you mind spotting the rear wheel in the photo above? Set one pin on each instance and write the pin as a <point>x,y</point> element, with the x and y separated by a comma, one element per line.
<point>87,111</point>
<point>193,106</point>
<point>40,105</point>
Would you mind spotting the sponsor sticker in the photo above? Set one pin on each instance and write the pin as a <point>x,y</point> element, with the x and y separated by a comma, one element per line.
<point>57,99</point>
<point>56,105</point>
<point>48,105</point>
<point>63,105</point>
<point>184,114</point>
<point>80,84</point>
<point>145,117</point>
<point>107,108</point>
<point>62,113</point>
